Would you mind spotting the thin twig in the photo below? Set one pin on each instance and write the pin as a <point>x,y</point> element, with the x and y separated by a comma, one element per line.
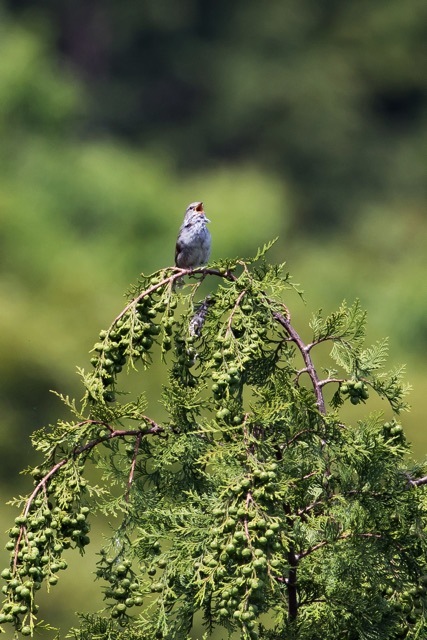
<point>322,383</point>
<point>114,433</point>
<point>133,465</point>
<point>343,536</point>
<point>177,274</point>
<point>234,309</point>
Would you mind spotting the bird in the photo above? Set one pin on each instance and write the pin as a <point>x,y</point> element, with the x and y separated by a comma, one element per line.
<point>193,245</point>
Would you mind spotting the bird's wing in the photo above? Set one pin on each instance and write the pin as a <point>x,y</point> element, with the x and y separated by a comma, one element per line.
<point>178,248</point>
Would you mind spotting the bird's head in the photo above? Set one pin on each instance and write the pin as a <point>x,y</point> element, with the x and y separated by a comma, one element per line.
<point>196,208</point>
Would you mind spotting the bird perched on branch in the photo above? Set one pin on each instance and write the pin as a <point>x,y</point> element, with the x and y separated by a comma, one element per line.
<point>193,245</point>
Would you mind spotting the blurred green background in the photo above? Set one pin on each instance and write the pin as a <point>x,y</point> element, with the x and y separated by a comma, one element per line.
<point>300,119</point>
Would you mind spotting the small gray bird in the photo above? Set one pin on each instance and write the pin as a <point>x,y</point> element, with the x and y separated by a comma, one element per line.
<point>193,245</point>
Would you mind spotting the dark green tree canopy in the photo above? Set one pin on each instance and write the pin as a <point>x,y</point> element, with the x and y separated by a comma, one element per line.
<point>250,501</point>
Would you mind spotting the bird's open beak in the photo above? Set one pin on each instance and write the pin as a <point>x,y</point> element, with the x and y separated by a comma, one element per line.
<point>200,209</point>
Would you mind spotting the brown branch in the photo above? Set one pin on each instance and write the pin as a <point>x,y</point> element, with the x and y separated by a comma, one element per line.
<point>309,475</point>
<point>309,507</point>
<point>295,437</point>
<point>417,482</point>
<point>291,584</point>
<point>305,353</point>
<point>300,372</point>
<point>310,345</point>
<point>133,465</point>
<point>249,499</point>
<point>291,579</point>
<point>227,275</point>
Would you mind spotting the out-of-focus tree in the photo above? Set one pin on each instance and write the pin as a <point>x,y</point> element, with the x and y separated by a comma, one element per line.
<point>331,95</point>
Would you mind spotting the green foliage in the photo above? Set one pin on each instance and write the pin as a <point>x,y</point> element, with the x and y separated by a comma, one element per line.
<point>346,330</point>
<point>34,95</point>
<point>252,500</point>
